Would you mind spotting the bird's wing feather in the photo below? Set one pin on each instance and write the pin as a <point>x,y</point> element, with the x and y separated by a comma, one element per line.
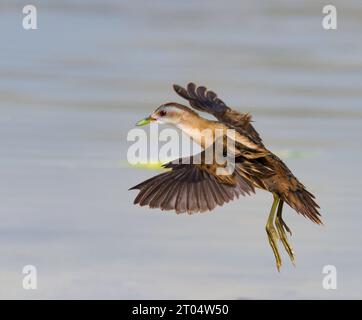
<point>207,101</point>
<point>191,187</point>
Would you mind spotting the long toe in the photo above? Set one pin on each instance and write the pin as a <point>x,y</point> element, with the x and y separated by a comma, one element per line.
<point>273,240</point>
<point>284,240</point>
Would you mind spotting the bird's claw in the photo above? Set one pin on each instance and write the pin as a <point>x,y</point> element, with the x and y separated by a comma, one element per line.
<point>281,227</point>
<point>273,240</point>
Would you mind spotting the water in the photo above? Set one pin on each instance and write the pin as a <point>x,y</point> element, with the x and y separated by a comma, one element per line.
<point>71,90</point>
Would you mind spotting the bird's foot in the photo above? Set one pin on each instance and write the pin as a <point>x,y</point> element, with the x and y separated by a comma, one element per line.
<point>285,227</point>
<point>273,240</point>
<point>282,227</point>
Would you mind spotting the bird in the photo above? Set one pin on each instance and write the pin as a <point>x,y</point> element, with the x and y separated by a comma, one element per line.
<point>193,185</point>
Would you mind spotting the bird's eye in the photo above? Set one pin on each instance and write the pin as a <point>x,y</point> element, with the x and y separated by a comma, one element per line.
<point>162,113</point>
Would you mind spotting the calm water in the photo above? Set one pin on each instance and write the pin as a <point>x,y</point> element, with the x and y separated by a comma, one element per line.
<point>71,90</point>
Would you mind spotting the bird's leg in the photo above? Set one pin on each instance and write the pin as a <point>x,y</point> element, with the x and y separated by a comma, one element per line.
<point>282,227</point>
<point>272,233</point>
<point>279,217</point>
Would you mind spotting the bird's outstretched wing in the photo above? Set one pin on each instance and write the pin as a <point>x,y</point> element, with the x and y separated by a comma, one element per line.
<point>192,187</point>
<point>207,101</point>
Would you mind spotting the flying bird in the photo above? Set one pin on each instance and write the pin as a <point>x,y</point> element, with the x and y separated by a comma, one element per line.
<point>195,185</point>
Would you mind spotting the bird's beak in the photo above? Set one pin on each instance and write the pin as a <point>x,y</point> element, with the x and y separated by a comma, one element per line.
<point>145,121</point>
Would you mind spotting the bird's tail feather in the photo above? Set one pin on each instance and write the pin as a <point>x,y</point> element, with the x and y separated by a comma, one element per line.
<point>304,203</point>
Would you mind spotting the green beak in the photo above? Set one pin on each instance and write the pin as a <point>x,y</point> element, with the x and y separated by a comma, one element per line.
<point>144,121</point>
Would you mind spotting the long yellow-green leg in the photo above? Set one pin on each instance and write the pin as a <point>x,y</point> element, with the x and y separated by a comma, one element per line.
<point>279,215</point>
<point>282,227</point>
<point>272,233</point>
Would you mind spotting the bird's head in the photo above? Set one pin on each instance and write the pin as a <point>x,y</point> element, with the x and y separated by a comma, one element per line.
<point>169,113</point>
